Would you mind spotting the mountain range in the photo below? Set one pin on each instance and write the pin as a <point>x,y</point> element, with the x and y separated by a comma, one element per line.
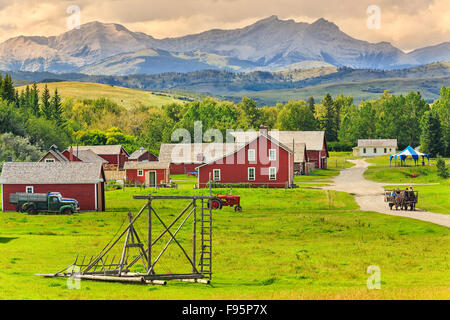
<point>270,44</point>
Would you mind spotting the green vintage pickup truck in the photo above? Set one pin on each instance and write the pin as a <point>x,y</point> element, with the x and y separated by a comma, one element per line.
<point>51,202</point>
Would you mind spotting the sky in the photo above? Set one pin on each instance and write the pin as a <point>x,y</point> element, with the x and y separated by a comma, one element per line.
<point>407,24</point>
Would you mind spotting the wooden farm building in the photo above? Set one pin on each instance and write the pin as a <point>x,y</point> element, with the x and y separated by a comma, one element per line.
<point>315,142</point>
<point>54,155</point>
<point>263,161</point>
<point>115,155</point>
<point>84,182</point>
<point>149,173</point>
<point>186,157</point>
<point>375,147</point>
<point>142,155</point>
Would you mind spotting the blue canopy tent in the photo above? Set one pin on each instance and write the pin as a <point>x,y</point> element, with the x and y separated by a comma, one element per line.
<point>408,152</point>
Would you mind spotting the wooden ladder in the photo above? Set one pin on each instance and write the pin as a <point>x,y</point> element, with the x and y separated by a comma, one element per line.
<point>206,233</point>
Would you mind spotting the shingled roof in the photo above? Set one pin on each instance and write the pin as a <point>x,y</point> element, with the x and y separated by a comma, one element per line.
<point>138,153</point>
<point>51,173</point>
<point>89,156</point>
<point>189,152</point>
<point>377,143</point>
<point>101,149</point>
<point>146,165</point>
<point>314,140</point>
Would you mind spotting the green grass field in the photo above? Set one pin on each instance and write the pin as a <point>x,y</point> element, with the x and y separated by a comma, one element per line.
<point>286,244</point>
<point>123,96</point>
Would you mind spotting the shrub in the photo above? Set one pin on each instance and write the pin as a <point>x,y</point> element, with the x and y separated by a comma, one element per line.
<point>442,169</point>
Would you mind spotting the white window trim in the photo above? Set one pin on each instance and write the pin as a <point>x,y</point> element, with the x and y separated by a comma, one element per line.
<point>48,160</point>
<point>254,174</point>
<point>275,176</point>
<point>275,155</point>
<point>214,174</point>
<point>26,189</point>
<point>142,173</point>
<point>253,158</point>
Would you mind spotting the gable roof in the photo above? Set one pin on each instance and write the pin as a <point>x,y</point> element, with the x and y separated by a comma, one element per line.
<point>300,152</point>
<point>130,165</point>
<point>51,173</point>
<point>240,146</point>
<point>188,152</point>
<point>55,153</point>
<point>138,153</point>
<point>89,156</point>
<point>377,143</point>
<point>102,149</point>
<point>314,140</point>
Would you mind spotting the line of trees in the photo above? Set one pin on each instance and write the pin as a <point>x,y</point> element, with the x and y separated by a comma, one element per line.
<point>44,119</point>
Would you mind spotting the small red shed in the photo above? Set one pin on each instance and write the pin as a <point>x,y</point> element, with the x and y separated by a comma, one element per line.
<point>149,173</point>
<point>81,181</point>
<point>262,162</point>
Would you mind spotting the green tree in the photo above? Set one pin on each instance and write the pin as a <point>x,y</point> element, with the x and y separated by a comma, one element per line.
<point>312,104</point>
<point>56,109</point>
<point>431,137</point>
<point>296,115</point>
<point>442,169</point>
<point>329,121</point>
<point>34,99</point>
<point>442,109</point>
<point>46,108</point>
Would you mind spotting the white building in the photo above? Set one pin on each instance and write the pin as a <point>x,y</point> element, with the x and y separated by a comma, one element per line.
<point>375,147</point>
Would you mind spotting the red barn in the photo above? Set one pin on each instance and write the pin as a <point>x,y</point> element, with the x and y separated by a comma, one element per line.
<point>149,173</point>
<point>142,155</point>
<point>262,162</point>
<point>81,181</point>
<point>115,155</point>
<point>316,144</point>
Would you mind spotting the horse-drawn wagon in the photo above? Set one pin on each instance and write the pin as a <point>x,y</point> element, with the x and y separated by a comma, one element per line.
<point>401,199</point>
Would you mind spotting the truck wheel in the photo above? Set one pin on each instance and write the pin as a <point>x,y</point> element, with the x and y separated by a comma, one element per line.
<point>32,211</point>
<point>238,209</point>
<point>67,211</point>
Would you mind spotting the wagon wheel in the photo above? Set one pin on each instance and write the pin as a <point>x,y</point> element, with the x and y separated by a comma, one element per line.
<point>214,204</point>
<point>238,209</point>
<point>31,211</point>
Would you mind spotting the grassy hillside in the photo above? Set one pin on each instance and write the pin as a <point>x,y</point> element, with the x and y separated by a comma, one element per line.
<point>364,90</point>
<point>122,96</point>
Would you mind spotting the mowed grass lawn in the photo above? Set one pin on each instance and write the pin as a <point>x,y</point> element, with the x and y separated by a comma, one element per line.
<point>435,198</point>
<point>125,97</point>
<point>286,244</point>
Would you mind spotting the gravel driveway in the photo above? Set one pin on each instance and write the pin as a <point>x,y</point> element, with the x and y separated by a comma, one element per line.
<point>370,195</point>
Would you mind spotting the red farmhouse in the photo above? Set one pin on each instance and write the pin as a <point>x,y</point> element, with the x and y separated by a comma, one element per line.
<point>316,144</point>
<point>142,155</point>
<point>81,181</point>
<point>149,173</point>
<point>116,155</point>
<point>263,161</point>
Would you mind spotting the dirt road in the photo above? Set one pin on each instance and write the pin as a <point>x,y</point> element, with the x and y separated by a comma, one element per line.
<point>369,195</point>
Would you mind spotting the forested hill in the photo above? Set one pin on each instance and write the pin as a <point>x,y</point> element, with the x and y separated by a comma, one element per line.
<point>217,82</point>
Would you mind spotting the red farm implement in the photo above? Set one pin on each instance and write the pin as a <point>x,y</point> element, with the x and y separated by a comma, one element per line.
<point>227,200</point>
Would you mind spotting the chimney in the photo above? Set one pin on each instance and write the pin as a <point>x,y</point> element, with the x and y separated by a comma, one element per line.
<point>70,154</point>
<point>200,157</point>
<point>263,130</point>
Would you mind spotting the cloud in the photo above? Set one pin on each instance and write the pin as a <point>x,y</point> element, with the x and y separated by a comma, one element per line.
<point>407,24</point>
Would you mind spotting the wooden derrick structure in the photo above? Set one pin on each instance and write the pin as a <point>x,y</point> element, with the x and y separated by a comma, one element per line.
<point>100,269</point>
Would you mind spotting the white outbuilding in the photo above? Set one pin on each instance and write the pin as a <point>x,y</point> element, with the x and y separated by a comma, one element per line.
<point>375,147</point>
